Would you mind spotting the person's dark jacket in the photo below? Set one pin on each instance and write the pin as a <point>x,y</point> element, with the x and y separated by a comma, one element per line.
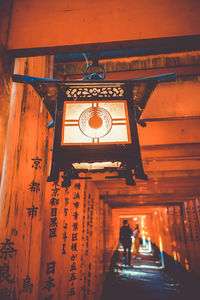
<point>126,236</point>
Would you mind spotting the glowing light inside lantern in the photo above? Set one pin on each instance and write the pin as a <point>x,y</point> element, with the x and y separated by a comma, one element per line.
<point>95,122</point>
<point>97,166</point>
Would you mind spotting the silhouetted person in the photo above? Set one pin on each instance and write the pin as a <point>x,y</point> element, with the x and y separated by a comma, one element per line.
<point>125,239</point>
<point>136,244</point>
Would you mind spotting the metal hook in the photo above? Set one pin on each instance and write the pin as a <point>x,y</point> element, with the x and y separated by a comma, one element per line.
<point>96,75</point>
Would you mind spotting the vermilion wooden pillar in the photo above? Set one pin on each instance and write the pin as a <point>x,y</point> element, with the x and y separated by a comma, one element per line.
<point>5,89</point>
<point>22,187</point>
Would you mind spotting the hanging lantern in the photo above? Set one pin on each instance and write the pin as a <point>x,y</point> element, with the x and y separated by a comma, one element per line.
<point>95,124</point>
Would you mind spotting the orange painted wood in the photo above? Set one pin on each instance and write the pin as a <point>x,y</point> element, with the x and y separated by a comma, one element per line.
<point>173,100</point>
<point>181,63</point>
<point>26,140</point>
<point>6,69</point>
<point>5,11</point>
<point>5,92</point>
<point>170,132</point>
<point>34,24</point>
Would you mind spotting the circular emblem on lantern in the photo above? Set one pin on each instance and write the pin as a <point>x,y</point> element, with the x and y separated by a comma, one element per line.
<point>95,122</point>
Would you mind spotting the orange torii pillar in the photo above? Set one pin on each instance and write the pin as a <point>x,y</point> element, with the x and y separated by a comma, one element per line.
<point>23,183</point>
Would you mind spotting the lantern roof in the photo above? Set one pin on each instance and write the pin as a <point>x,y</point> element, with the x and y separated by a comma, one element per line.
<point>48,89</point>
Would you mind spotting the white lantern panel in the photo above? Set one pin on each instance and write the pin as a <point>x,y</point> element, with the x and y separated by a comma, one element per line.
<point>116,110</point>
<point>117,134</point>
<point>73,135</point>
<point>95,122</point>
<point>73,111</point>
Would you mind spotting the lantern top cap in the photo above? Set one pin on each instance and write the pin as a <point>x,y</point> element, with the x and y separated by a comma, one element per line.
<point>139,89</point>
<point>36,80</point>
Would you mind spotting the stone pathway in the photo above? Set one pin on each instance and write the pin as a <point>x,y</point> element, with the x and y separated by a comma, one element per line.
<point>146,279</point>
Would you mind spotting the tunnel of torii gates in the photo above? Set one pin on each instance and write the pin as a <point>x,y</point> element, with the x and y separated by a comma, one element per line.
<point>55,242</point>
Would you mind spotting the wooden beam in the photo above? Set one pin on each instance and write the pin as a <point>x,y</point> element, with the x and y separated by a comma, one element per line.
<point>75,25</point>
<point>180,63</point>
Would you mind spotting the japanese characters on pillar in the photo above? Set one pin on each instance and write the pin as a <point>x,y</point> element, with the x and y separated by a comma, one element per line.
<point>192,229</point>
<point>66,270</point>
<point>66,220</point>
<point>88,224</point>
<point>54,202</point>
<point>84,218</point>
<point>24,175</point>
<point>7,251</point>
<point>34,188</point>
<point>96,276</point>
<point>74,235</point>
<point>88,244</point>
<point>83,247</point>
<point>91,215</point>
<point>49,284</point>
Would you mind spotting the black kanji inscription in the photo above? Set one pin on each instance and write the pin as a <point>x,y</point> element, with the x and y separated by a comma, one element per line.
<point>53,222</point>
<point>4,274</point>
<point>74,237</point>
<point>27,285</point>
<point>73,267</point>
<point>66,201</point>
<point>64,236</point>
<point>76,204</point>
<point>36,163</point>
<point>73,257</point>
<point>77,186</point>
<point>7,249</point>
<point>74,246</point>
<point>32,211</point>
<point>51,267</point>
<point>73,277</point>
<point>55,189</point>
<point>54,211</point>
<point>54,201</point>
<point>49,284</point>
<point>52,232</point>
<point>72,292</point>
<point>63,249</point>
<point>75,215</point>
<point>34,186</point>
<point>76,196</point>
<point>75,226</point>
<point>66,211</point>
